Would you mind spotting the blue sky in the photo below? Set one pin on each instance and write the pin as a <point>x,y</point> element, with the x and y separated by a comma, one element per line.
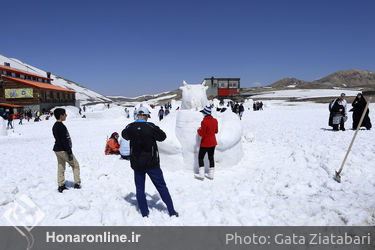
<point>139,47</point>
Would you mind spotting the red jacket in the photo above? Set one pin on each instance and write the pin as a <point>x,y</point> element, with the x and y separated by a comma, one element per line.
<point>207,132</point>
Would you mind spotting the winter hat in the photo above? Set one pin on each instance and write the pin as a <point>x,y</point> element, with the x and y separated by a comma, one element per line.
<point>143,111</point>
<point>114,134</point>
<point>206,110</point>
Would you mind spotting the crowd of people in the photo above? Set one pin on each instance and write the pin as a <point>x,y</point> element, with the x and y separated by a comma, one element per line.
<point>338,113</point>
<point>258,105</point>
<point>138,145</point>
<point>137,142</point>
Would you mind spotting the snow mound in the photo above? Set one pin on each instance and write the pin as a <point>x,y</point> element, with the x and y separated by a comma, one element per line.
<point>71,111</point>
<point>3,127</point>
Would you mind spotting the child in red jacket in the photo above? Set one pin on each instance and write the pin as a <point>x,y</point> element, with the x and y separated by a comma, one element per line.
<point>207,131</point>
<point>112,147</point>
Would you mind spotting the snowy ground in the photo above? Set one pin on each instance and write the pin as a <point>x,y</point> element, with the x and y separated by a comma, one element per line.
<point>284,178</point>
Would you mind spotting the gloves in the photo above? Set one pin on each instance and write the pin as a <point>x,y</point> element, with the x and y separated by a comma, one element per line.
<point>70,157</point>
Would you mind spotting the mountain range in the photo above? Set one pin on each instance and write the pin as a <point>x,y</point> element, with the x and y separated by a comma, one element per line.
<point>354,78</point>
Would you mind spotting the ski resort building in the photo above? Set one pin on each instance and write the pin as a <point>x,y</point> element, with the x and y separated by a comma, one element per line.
<point>31,91</point>
<point>222,87</point>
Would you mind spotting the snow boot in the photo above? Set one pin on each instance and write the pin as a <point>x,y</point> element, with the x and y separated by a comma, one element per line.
<point>174,214</point>
<point>61,188</point>
<point>200,176</point>
<point>77,186</point>
<point>210,174</point>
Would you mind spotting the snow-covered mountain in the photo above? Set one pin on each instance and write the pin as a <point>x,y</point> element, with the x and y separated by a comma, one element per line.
<point>83,94</point>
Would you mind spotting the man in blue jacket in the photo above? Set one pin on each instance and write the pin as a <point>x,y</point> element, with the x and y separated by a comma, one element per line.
<point>144,159</point>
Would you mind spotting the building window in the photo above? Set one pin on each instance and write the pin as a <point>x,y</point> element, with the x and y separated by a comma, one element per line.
<point>22,76</point>
<point>34,78</point>
<point>9,73</point>
<point>18,75</point>
<point>233,84</point>
<point>223,84</point>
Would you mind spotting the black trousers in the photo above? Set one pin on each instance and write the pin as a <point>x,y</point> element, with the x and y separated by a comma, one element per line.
<point>202,153</point>
<point>336,126</point>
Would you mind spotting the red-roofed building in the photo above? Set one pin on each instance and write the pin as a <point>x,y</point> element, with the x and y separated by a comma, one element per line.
<point>222,87</point>
<point>32,91</point>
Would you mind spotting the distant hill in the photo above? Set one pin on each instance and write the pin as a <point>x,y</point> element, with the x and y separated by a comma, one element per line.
<point>152,99</point>
<point>354,78</point>
<point>289,83</point>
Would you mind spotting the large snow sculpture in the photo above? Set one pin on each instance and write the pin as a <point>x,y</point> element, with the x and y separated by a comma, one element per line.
<point>194,96</point>
<point>188,120</point>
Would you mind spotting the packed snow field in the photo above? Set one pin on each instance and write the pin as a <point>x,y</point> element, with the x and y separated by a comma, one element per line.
<point>284,177</point>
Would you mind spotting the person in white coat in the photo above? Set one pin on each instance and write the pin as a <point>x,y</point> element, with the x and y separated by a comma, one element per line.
<point>124,149</point>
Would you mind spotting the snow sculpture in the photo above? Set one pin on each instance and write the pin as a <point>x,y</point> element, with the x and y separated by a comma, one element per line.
<point>194,96</point>
<point>188,120</point>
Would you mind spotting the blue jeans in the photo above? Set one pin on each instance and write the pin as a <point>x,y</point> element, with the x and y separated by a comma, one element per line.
<point>156,176</point>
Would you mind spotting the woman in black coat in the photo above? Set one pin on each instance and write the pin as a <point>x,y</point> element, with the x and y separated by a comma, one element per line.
<point>359,105</point>
<point>338,115</point>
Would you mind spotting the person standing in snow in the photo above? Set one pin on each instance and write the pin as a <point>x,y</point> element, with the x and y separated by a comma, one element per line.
<point>261,105</point>
<point>63,151</point>
<point>161,113</point>
<point>344,103</point>
<point>135,113</point>
<point>331,113</point>
<point>127,113</point>
<point>359,105</point>
<point>10,120</point>
<point>338,115</point>
<point>208,129</point>
<point>21,116</point>
<point>84,108</point>
<point>241,109</point>
<point>144,159</point>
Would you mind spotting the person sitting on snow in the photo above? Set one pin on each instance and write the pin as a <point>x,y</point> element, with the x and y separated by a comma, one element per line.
<point>112,147</point>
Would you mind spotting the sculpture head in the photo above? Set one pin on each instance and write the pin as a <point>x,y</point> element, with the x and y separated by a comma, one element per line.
<point>194,96</point>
